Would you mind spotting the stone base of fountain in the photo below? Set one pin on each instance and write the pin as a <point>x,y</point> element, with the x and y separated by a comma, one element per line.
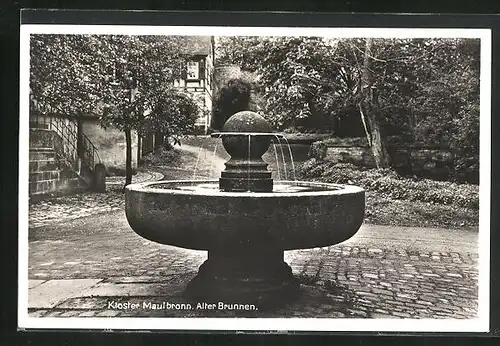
<point>242,276</point>
<point>256,176</point>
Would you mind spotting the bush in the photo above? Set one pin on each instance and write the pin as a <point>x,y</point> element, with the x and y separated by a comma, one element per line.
<point>389,184</point>
<point>318,151</point>
<point>230,99</point>
<point>292,130</point>
<point>118,171</point>
<point>162,156</point>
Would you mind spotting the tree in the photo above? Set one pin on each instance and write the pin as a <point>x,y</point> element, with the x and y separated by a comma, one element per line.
<point>423,90</point>
<point>230,99</point>
<point>306,78</point>
<point>368,105</point>
<point>172,114</point>
<point>289,71</point>
<point>128,80</point>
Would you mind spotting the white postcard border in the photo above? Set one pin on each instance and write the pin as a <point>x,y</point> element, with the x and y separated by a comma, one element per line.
<point>480,324</point>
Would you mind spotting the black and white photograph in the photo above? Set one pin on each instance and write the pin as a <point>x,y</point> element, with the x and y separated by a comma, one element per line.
<point>254,178</point>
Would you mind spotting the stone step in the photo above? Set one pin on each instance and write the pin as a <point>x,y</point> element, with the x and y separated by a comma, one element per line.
<point>46,159</point>
<point>45,165</point>
<point>54,167</point>
<point>38,125</point>
<point>47,175</point>
<point>44,188</point>
<point>37,154</point>
<point>42,138</point>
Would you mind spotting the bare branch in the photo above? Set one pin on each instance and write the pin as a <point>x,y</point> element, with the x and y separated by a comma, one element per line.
<point>364,124</point>
<point>369,55</point>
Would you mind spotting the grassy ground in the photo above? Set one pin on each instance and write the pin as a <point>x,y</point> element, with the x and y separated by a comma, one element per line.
<point>387,211</point>
<point>403,201</point>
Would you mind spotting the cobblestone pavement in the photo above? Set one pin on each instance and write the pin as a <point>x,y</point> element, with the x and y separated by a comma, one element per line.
<point>63,208</point>
<point>79,267</point>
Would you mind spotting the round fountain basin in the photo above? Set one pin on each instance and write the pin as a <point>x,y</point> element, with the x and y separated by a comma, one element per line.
<point>197,215</point>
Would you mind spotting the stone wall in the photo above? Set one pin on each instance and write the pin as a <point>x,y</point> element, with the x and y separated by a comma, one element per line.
<point>49,173</point>
<point>431,161</point>
<point>360,156</point>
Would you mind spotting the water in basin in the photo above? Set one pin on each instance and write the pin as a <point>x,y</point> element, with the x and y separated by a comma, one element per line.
<point>278,187</point>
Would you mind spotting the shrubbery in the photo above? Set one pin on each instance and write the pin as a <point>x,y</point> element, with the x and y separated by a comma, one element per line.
<point>162,157</point>
<point>230,99</point>
<point>113,171</point>
<point>389,184</point>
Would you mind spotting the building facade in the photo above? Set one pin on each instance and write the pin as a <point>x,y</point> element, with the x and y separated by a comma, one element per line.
<point>197,80</point>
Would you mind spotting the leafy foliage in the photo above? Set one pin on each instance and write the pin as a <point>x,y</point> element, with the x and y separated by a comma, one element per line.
<point>126,80</point>
<point>388,184</point>
<point>173,115</point>
<point>120,77</point>
<point>162,156</point>
<point>231,98</point>
<point>424,90</point>
<point>287,80</point>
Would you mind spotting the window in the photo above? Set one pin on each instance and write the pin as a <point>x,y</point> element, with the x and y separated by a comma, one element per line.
<point>193,70</point>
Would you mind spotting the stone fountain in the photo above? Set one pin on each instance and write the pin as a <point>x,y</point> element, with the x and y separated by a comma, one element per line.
<point>245,220</point>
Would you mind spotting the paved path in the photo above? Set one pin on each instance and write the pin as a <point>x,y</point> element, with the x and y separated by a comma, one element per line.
<point>78,267</point>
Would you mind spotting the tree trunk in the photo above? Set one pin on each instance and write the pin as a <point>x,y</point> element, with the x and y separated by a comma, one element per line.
<point>128,157</point>
<point>158,140</point>
<point>139,143</point>
<point>139,136</point>
<point>147,144</point>
<point>378,147</point>
<point>80,146</point>
<point>128,150</point>
<point>166,141</point>
<point>365,127</point>
<point>317,118</point>
<point>377,141</point>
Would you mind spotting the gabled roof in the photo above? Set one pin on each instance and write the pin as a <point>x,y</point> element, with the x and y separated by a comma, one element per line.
<point>196,45</point>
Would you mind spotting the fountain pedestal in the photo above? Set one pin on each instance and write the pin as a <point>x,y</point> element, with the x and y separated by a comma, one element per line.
<point>256,176</point>
<point>244,276</point>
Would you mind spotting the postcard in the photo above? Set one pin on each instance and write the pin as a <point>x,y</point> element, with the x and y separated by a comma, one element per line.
<point>254,178</point>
